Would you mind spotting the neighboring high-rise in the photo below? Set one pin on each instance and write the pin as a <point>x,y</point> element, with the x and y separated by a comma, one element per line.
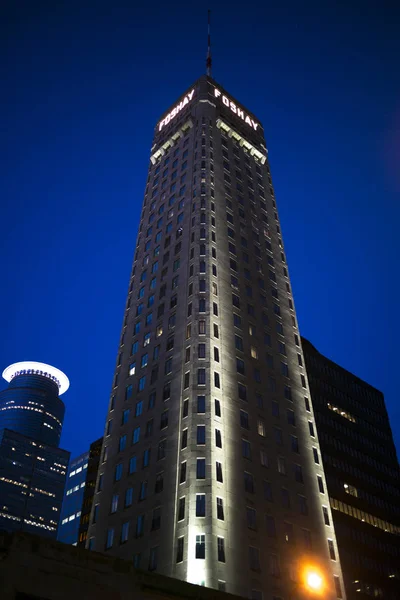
<point>362,476</point>
<point>32,466</point>
<point>210,468</point>
<point>89,492</point>
<point>78,496</point>
<point>68,530</point>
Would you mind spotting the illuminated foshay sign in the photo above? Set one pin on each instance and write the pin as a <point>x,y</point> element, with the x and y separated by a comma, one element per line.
<point>235,109</point>
<point>176,110</point>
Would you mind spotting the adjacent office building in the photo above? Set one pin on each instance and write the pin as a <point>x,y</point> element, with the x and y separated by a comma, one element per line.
<point>210,469</point>
<point>362,476</point>
<point>32,466</point>
<point>89,490</point>
<point>68,531</point>
<point>78,496</point>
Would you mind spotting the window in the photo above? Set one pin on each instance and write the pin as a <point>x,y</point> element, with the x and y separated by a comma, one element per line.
<point>139,408</point>
<point>281,465</point>
<point>270,526</point>
<point>122,443</point>
<point>291,417</point>
<point>218,438</point>
<point>164,420</point>
<point>217,382</point>
<point>118,472</point>
<point>298,473</point>
<point>217,408</point>
<point>182,475</point>
<point>316,457</point>
<point>132,465</point>
<point>294,444</point>
<point>136,435</point>
<point>114,503</point>
<point>320,484</point>
<point>242,391</point>
<point>146,458</point>
<point>201,434</point>
<point>139,525</point>
<point>218,468</point>
<point>201,404</point>
<point>110,537</point>
<point>143,490</point>
<point>307,539</point>
<point>244,419</point>
<point>221,549</point>
<point>274,566</point>
<point>153,558</point>
<point>288,532</point>
<point>184,439</point>
<point>159,485</point>
<point>264,458</point>
<point>202,350</point>
<point>248,482</point>
<point>251,518</point>
<point>201,376</point>
<point>254,558</point>
<point>201,468</point>
<point>142,383</point>
<point>261,428</point>
<point>161,449</point>
<point>181,509</point>
<point>267,487</point>
<point>185,409</point>
<point>285,498</point>
<point>246,449</point>
<point>128,497</point>
<point>303,507</point>
<point>200,505</point>
<point>338,587</point>
<point>156,519</point>
<point>201,546</point>
<point>326,515</point>
<point>311,428</point>
<point>331,548</point>
<point>179,549</point>
<point>220,509</point>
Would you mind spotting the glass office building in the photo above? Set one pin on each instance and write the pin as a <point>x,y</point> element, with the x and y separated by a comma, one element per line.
<point>210,468</point>
<point>68,530</point>
<point>32,466</point>
<point>362,475</point>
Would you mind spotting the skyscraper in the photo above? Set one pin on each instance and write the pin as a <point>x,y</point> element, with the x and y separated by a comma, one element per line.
<point>68,530</point>
<point>208,469</point>
<point>362,474</point>
<point>89,490</point>
<point>32,466</point>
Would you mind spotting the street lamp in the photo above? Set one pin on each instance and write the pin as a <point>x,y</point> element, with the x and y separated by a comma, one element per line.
<point>313,580</point>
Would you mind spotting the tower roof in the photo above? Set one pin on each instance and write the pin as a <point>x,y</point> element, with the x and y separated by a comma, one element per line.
<point>29,367</point>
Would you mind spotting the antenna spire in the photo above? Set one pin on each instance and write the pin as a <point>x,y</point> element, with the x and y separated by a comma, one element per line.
<point>208,61</point>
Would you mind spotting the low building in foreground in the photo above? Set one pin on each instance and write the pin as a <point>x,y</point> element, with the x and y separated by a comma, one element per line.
<point>56,571</point>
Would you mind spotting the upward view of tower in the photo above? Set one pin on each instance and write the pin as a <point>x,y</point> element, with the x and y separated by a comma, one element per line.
<point>32,466</point>
<point>210,469</point>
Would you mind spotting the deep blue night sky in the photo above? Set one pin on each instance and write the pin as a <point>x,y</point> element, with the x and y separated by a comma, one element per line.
<point>82,86</point>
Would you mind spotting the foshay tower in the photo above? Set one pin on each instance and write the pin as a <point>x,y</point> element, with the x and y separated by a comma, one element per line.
<point>211,468</point>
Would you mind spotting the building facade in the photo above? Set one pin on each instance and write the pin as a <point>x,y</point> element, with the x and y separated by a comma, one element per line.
<point>362,476</point>
<point>68,530</point>
<point>89,490</point>
<point>32,466</point>
<point>210,469</point>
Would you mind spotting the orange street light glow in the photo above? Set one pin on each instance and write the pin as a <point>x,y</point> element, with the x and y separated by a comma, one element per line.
<point>313,580</point>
